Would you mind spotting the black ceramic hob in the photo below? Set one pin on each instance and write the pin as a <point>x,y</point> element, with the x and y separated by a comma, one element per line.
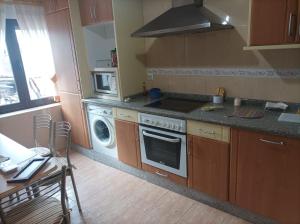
<point>178,105</point>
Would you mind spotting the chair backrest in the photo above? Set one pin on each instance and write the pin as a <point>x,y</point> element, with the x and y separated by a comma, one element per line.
<point>42,121</point>
<point>62,130</point>
<point>35,195</point>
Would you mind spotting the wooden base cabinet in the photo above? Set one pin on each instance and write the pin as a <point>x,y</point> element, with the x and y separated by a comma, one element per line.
<point>208,166</point>
<point>265,175</point>
<point>128,143</point>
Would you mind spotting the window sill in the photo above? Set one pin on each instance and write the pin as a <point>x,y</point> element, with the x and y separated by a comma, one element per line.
<point>20,112</point>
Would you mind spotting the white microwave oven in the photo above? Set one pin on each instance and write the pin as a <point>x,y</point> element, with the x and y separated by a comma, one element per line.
<point>106,81</point>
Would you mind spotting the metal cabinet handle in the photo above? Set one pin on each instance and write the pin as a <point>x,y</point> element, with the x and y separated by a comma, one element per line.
<point>95,16</point>
<point>161,138</point>
<point>125,115</point>
<point>94,10</point>
<point>271,142</point>
<point>207,132</point>
<point>291,25</point>
<point>161,174</point>
<point>91,14</point>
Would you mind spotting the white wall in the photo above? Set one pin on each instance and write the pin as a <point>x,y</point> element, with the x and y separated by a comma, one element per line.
<point>18,125</point>
<point>99,40</point>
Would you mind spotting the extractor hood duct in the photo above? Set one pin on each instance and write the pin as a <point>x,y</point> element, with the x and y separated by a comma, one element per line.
<point>186,16</point>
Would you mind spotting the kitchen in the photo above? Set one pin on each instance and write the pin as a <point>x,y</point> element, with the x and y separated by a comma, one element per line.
<point>198,98</point>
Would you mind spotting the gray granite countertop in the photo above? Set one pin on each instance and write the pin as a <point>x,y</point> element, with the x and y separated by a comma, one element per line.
<point>267,124</point>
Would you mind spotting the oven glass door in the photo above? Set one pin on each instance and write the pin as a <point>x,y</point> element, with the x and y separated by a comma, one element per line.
<point>163,149</point>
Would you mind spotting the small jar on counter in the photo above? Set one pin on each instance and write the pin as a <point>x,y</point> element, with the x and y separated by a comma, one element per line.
<point>237,102</point>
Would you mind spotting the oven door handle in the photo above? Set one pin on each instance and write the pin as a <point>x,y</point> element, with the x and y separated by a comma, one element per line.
<point>176,140</point>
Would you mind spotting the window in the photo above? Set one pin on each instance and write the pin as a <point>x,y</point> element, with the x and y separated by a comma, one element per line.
<point>22,82</point>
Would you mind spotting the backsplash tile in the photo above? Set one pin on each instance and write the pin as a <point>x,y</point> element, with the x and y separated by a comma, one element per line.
<point>243,72</point>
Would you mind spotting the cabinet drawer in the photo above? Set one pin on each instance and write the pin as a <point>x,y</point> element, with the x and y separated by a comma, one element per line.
<point>164,174</point>
<point>126,115</point>
<point>211,131</point>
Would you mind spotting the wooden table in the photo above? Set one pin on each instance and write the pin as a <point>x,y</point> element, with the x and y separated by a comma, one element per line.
<point>19,155</point>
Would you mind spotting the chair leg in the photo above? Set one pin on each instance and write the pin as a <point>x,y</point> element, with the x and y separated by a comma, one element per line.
<point>35,190</point>
<point>75,190</point>
<point>18,196</point>
<point>28,193</point>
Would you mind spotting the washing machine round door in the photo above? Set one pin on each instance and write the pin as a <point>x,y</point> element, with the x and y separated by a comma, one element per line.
<point>103,131</point>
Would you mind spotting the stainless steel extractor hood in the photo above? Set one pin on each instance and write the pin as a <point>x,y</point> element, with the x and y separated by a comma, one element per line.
<point>186,16</point>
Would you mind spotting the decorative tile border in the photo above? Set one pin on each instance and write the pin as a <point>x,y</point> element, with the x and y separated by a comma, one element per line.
<point>244,72</point>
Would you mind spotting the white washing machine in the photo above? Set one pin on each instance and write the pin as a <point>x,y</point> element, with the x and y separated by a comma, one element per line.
<point>102,130</point>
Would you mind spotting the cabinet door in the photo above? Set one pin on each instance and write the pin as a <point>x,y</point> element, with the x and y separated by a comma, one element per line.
<point>208,162</point>
<point>291,21</point>
<point>267,24</point>
<point>104,11</point>
<point>73,112</point>
<point>128,143</point>
<point>268,175</point>
<point>62,44</point>
<point>52,6</point>
<point>87,11</point>
<point>49,6</point>
<point>61,4</point>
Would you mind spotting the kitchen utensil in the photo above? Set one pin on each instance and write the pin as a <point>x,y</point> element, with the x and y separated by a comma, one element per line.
<point>210,107</point>
<point>220,91</point>
<point>248,113</point>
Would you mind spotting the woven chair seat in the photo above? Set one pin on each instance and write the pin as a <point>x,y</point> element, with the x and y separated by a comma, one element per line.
<point>41,210</point>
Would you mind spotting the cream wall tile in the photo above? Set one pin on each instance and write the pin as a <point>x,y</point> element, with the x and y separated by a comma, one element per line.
<point>219,49</point>
<point>167,52</point>
<point>237,10</point>
<point>250,88</point>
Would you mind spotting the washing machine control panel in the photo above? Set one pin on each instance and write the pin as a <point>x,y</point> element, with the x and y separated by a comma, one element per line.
<point>99,111</point>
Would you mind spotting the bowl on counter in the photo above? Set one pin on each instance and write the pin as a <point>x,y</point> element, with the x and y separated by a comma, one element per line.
<point>154,93</point>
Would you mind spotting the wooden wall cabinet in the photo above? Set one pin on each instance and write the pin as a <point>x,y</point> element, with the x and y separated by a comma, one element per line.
<point>60,33</point>
<point>127,134</point>
<point>274,22</point>
<point>265,175</point>
<point>208,166</point>
<point>298,25</point>
<point>51,6</point>
<point>95,11</point>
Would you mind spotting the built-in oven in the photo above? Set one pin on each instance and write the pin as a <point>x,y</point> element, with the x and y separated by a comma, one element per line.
<point>163,143</point>
<point>106,81</point>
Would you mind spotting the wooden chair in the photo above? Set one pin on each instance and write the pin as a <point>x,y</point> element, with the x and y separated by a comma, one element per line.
<point>47,206</point>
<point>42,122</point>
<point>62,131</point>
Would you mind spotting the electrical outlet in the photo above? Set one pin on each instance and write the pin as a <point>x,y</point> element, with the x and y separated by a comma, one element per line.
<point>150,76</point>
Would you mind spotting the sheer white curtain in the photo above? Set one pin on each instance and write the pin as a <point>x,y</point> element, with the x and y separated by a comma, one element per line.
<point>35,50</point>
<point>2,25</point>
<point>8,94</point>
